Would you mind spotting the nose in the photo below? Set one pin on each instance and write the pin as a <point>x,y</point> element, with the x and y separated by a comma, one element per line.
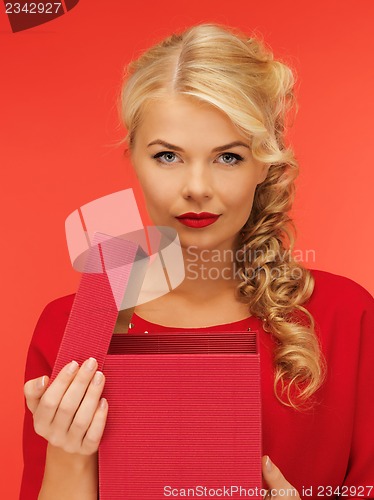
<point>198,182</point>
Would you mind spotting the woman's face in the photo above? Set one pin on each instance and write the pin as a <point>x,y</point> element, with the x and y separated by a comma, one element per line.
<point>195,171</point>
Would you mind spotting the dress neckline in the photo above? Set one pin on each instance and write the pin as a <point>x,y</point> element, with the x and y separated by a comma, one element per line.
<point>137,320</point>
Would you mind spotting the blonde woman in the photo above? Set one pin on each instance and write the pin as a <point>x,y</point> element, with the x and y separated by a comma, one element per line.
<point>205,114</point>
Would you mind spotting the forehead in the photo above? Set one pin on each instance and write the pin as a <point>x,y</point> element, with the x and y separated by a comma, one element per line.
<point>185,118</point>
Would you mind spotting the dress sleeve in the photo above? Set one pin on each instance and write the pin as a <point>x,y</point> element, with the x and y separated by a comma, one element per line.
<point>41,357</point>
<point>359,480</point>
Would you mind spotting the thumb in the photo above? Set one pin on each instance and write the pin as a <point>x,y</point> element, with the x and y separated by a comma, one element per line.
<point>34,390</point>
<point>278,485</point>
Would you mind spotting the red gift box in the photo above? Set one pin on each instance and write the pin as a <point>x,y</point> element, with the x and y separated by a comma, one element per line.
<point>184,407</point>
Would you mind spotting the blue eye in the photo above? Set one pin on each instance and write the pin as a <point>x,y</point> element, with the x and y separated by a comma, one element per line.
<point>164,154</point>
<point>236,157</point>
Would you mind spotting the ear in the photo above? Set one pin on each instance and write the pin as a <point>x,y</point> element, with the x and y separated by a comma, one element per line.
<point>263,172</point>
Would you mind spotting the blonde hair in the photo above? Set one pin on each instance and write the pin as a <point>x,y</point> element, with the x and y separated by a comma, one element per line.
<point>238,75</point>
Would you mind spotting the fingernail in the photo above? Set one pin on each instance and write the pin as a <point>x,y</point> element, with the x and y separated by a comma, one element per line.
<point>90,364</point>
<point>41,382</point>
<point>72,366</point>
<point>98,378</point>
<point>103,404</point>
<point>268,464</point>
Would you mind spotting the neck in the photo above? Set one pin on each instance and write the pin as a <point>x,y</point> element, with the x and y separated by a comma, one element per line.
<point>209,273</point>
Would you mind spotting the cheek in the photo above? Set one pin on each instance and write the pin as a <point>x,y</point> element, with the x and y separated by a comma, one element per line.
<point>241,205</point>
<point>240,197</point>
<point>158,189</point>
<point>156,200</point>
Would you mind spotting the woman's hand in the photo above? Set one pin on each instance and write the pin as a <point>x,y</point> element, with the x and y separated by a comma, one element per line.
<point>67,413</point>
<point>279,487</point>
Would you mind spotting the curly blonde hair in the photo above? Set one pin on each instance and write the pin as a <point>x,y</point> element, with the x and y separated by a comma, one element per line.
<point>238,74</point>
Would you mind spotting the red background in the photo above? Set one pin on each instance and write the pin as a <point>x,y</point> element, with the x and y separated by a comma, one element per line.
<point>59,127</point>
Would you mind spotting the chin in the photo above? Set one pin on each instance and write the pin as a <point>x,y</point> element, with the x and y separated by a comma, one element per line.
<point>205,241</point>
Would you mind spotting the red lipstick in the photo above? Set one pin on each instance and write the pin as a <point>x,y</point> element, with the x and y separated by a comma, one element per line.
<point>192,219</point>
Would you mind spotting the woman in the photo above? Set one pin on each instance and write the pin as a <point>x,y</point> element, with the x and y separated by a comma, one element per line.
<point>205,112</point>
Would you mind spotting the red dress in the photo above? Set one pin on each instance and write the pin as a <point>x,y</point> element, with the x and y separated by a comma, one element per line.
<point>329,447</point>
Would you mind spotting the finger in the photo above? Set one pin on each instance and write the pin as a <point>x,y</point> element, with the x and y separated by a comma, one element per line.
<point>86,411</point>
<point>95,432</point>
<point>278,485</point>
<point>73,396</point>
<point>34,390</point>
<point>51,398</point>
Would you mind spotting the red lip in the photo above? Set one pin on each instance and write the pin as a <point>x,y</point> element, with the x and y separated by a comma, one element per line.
<point>192,219</point>
<point>194,215</point>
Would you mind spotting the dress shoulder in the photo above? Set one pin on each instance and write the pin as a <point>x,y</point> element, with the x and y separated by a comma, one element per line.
<point>47,335</point>
<point>340,292</point>
<point>41,356</point>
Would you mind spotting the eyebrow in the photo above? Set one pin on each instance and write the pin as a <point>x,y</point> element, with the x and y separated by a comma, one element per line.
<point>219,148</point>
